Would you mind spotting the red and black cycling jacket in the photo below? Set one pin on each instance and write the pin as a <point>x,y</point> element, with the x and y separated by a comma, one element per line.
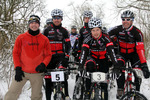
<point>59,39</point>
<point>129,41</point>
<point>84,32</point>
<point>97,48</point>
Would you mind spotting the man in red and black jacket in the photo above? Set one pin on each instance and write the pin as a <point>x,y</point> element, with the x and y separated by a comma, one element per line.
<point>83,33</point>
<point>60,46</point>
<point>95,50</point>
<point>129,42</point>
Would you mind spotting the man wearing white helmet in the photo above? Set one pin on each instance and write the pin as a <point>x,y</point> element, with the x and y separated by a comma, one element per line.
<point>60,46</point>
<point>84,31</point>
<point>129,42</point>
<point>97,44</point>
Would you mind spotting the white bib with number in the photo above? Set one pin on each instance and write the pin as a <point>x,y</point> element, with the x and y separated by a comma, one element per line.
<point>98,77</point>
<point>57,76</point>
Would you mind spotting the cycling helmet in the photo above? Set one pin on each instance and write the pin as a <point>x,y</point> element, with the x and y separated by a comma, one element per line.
<point>57,12</point>
<point>128,14</point>
<point>95,22</point>
<point>49,20</point>
<point>73,27</point>
<point>87,14</point>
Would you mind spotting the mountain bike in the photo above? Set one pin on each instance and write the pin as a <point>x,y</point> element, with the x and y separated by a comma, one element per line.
<point>96,92</point>
<point>57,77</point>
<point>130,92</point>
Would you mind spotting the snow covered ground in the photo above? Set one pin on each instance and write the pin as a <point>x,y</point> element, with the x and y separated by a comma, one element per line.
<point>26,93</point>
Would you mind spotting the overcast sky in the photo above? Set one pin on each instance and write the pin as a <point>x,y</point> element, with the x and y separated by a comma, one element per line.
<point>64,5</point>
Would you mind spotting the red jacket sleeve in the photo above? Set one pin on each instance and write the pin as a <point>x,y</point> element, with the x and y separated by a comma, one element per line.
<point>17,52</point>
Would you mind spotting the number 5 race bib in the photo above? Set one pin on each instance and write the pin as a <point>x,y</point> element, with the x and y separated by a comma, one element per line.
<point>57,76</point>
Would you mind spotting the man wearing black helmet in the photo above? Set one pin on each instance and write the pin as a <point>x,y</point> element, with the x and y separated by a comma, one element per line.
<point>49,21</point>
<point>60,45</point>
<point>31,55</point>
<point>73,35</point>
<point>130,46</point>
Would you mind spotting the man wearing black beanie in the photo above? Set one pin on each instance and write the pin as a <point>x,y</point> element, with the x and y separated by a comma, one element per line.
<point>31,55</point>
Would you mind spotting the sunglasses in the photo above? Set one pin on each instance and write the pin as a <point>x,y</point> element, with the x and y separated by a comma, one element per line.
<point>57,17</point>
<point>34,18</point>
<point>128,19</point>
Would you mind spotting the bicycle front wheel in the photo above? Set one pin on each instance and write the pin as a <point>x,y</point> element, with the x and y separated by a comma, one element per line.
<point>78,92</point>
<point>133,96</point>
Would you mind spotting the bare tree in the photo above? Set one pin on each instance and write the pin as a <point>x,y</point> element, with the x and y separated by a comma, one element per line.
<point>76,12</point>
<point>14,16</point>
<point>141,9</point>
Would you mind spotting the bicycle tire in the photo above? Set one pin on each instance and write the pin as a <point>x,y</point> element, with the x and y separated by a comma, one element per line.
<point>133,95</point>
<point>96,94</point>
<point>59,96</point>
<point>78,92</point>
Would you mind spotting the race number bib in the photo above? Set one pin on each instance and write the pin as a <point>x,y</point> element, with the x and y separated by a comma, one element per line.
<point>57,76</point>
<point>98,77</point>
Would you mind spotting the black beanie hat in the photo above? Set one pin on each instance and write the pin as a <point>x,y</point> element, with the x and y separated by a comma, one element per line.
<point>34,18</point>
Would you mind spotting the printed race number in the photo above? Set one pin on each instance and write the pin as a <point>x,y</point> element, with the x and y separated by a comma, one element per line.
<point>98,77</point>
<point>57,76</point>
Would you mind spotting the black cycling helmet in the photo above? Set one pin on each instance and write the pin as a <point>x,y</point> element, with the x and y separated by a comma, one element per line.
<point>73,27</point>
<point>127,14</point>
<point>49,21</point>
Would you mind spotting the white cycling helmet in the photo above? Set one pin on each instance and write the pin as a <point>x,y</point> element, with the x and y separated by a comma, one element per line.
<point>57,12</point>
<point>87,14</point>
<point>127,14</point>
<point>95,22</point>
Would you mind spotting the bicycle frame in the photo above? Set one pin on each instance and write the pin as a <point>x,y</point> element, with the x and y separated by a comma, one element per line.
<point>129,85</point>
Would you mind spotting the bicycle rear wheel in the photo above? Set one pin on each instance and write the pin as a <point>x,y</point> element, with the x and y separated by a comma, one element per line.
<point>96,94</point>
<point>133,96</point>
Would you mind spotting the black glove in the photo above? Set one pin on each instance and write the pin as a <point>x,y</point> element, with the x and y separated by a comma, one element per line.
<point>19,74</point>
<point>65,61</point>
<point>145,70</point>
<point>116,69</point>
<point>41,68</point>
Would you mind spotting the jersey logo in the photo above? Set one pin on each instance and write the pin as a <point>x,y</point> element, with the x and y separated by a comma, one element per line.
<point>51,32</point>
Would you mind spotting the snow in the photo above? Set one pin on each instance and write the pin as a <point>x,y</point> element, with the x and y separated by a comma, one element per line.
<point>26,92</point>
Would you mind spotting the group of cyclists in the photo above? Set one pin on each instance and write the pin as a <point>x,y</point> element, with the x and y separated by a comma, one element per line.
<point>94,45</point>
<point>94,48</point>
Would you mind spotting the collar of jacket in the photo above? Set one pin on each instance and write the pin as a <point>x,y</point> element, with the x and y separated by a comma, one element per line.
<point>33,33</point>
<point>27,32</point>
<point>74,33</point>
